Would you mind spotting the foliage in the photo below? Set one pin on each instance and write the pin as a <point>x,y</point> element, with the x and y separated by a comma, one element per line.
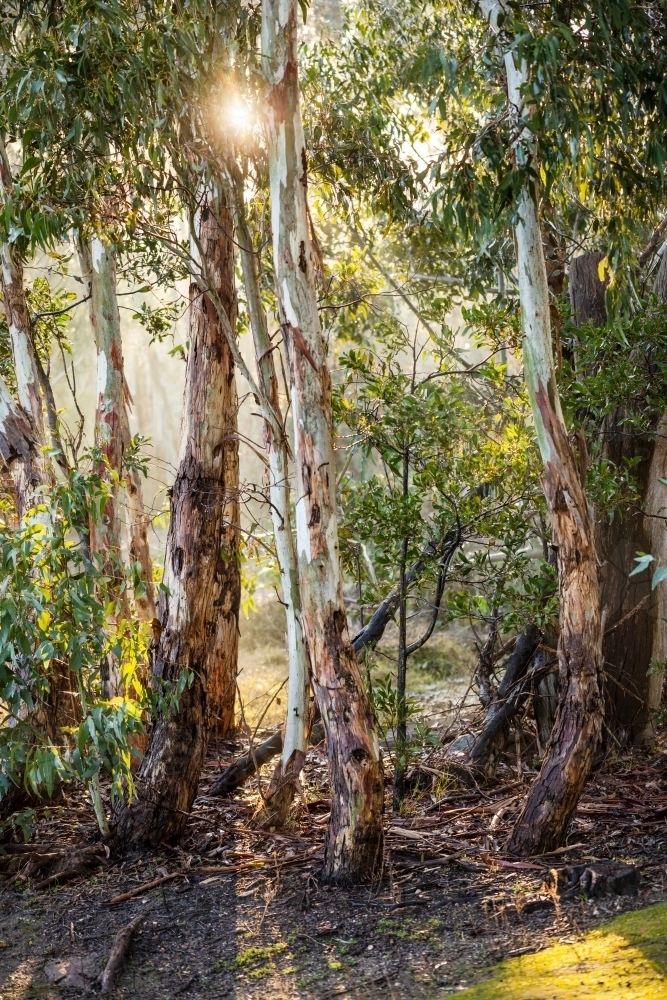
<point>58,620</point>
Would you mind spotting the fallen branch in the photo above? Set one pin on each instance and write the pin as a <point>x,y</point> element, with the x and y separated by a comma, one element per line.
<point>207,870</point>
<point>238,772</point>
<point>511,694</point>
<point>119,949</point>
<point>131,893</point>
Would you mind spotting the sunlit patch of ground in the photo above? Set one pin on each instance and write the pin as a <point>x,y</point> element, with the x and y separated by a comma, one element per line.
<point>622,960</point>
<point>263,663</point>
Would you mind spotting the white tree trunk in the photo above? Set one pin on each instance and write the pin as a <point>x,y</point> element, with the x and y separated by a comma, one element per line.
<point>296,723</point>
<point>354,838</point>
<point>553,797</point>
<point>98,267</point>
<point>138,527</point>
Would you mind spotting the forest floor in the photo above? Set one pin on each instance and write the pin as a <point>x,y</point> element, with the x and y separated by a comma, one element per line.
<point>240,913</point>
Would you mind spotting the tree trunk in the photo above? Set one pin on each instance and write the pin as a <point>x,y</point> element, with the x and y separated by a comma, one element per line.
<point>587,292</point>
<point>630,613</point>
<point>276,806</point>
<point>98,267</point>
<point>19,449</point>
<point>354,837</point>
<point>198,611</point>
<point>138,526</point>
<point>26,366</point>
<point>553,797</point>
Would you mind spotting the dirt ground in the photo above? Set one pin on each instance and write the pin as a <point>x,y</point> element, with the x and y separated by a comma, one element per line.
<point>245,916</point>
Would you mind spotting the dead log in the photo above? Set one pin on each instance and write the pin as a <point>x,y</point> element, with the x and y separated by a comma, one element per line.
<point>512,694</point>
<point>238,772</point>
<point>119,950</point>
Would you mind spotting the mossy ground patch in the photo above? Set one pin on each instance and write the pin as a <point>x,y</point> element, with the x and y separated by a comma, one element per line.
<point>625,959</point>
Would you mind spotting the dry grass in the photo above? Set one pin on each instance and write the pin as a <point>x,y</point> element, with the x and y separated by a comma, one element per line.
<point>263,661</point>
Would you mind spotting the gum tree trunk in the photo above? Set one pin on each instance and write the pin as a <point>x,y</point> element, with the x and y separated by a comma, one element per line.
<point>628,608</point>
<point>112,429</point>
<point>98,266</point>
<point>553,797</point>
<point>138,527</point>
<point>275,809</point>
<point>19,449</point>
<point>37,471</point>
<point>354,838</point>
<point>198,613</point>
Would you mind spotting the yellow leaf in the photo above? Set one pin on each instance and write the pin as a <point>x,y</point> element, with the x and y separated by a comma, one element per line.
<point>44,620</point>
<point>603,266</point>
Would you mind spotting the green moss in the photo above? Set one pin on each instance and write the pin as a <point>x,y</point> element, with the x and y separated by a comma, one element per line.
<point>252,961</point>
<point>622,960</point>
<point>250,956</point>
<point>394,928</point>
<point>316,978</point>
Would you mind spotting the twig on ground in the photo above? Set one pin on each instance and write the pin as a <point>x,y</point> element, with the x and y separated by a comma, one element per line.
<point>119,949</point>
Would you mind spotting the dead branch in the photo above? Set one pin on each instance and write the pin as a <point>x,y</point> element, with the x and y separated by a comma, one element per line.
<point>119,949</point>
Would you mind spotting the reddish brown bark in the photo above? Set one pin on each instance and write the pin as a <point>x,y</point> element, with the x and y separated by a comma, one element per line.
<point>197,623</point>
<point>553,797</point>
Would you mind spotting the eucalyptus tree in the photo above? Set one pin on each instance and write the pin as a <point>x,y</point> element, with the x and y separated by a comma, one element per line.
<point>354,837</point>
<point>278,798</point>
<point>573,159</point>
<point>37,471</point>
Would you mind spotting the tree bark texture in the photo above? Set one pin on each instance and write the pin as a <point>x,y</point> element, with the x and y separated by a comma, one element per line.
<point>660,283</point>
<point>19,449</point>
<point>630,612</point>
<point>37,471</point>
<point>198,611</point>
<point>587,292</point>
<point>98,267</point>
<point>138,526</point>
<point>354,838</point>
<point>551,801</point>
<point>276,806</point>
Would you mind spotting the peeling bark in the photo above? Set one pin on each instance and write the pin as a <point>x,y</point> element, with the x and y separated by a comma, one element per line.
<point>553,797</point>
<point>98,267</point>
<point>354,838</point>
<point>138,526</point>
<point>280,794</point>
<point>37,471</point>
<point>198,613</point>
<point>19,449</point>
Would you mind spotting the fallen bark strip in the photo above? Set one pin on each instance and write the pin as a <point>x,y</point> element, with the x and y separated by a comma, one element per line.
<point>238,772</point>
<point>65,876</point>
<point>119,949</point>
